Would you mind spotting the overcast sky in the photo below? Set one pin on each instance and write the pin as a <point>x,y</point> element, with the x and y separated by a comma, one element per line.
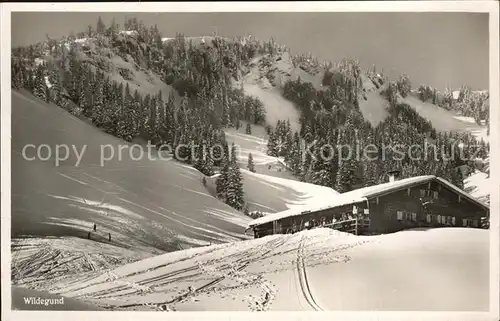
<point>439,49</point>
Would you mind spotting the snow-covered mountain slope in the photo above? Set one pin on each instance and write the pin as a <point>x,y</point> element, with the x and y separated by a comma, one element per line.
<point>445,120</point>
<point>322,268</point>
<point>373,107</point>
<point>277,107</point>
<point>145,203</point>
<point>266,77</point>
<point>256,83</point>
<point>256,144</point>
<point>120,67</point>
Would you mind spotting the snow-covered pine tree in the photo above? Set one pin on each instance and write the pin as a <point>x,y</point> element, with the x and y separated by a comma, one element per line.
<point>268,129</point>
<point>404,85</point>
<point>101,27</point>
<point>259,112</point>
<point>272,147</point>
<point>40,88</point>
<point>251,165</point>
<point>55,81</point>
<point>370,173</point>
<point>248,129</point>
<point>97,115</point>
<point>235,194</point>
<point>16,73</point>
<point>223,180</point>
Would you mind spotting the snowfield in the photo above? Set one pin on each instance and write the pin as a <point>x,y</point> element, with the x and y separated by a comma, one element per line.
<point>145,203</point>
<point>321,269</point>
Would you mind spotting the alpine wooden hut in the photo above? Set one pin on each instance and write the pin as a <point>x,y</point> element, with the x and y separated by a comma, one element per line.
<point>422,201</point>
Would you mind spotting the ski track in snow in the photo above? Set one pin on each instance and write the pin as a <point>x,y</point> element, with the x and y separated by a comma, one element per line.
<point>304,285</point>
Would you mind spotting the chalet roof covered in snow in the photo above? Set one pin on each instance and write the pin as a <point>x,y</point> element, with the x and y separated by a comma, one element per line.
<point>362,195</point>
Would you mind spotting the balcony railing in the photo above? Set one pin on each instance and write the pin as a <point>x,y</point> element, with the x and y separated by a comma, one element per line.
<point>355,226</point>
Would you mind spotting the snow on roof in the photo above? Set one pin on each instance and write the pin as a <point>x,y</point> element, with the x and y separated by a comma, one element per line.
<point>360,195</point>
<point>166,39</point>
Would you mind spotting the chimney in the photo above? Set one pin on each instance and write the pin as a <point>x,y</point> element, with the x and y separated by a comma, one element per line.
<point>393,175</point>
